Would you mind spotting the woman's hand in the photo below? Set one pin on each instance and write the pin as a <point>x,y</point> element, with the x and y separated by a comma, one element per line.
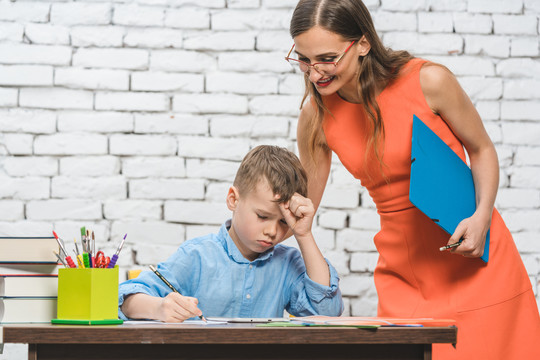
<point>473,231</point>
<point>177,308</point>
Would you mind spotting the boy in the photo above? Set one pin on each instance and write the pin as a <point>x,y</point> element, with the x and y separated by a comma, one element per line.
<point>243,271</point>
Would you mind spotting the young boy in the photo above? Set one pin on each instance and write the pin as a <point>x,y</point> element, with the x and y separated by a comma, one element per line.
<point>243,271</point>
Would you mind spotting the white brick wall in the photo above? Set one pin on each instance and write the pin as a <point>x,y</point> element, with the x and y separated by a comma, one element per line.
<point>132,116</point>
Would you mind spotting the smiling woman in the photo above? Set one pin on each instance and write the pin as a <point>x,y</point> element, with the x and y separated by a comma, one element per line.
<point>361,106</point>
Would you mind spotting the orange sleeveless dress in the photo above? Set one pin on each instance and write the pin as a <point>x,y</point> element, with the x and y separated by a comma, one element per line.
<point>493,304</point>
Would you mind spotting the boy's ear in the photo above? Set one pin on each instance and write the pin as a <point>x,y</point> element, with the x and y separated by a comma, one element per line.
<point>363,46</point>
<point>232,198</point>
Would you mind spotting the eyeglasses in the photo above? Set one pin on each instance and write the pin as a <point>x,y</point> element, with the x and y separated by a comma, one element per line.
<point>323,68</point>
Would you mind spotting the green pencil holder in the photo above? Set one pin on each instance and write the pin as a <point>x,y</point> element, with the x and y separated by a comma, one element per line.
<point>88,294</point>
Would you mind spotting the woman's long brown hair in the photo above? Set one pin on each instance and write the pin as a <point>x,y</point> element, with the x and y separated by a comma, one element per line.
<point>352,20</point>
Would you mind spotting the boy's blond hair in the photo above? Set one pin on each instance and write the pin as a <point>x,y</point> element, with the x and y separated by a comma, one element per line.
<point>279,166</point>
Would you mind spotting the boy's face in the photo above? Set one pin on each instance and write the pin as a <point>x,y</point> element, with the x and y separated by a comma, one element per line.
<point>257,222</point>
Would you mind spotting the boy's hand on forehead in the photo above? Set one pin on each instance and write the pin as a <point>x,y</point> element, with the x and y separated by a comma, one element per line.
<point>298,212</point>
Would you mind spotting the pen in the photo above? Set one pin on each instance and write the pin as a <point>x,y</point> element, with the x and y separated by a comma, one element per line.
<point>67,257</point>
<point>60,258</point>
<point>169,285</point>
<point>115,256</point>
<point>451,245</point>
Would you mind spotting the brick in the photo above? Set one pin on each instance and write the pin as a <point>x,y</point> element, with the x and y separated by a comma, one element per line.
<point>527,156</point>
<point>251,126</point>
<point>162,81</point>
<point>516,68</point>
<point>250,20</point>
<point>522,220</point>
<point>495,6</point>
<point>11,210</point>
<point>8,97</point>
<point>132,209</point>
<point>159,167</point>
<point>166,189</point>
<point>63,209</point>
<point>216,192</point>
<point>136,15</point>
<point>241,83</point>
<point>364,261</point>
<point>273,40</point>
<point>212,170</point>
<point>25,11</point>
<point>480,88</point>
<point>90,166</point>
<point>194,231</point>
<point>340,261</point>
<point>196,212</point>
<point>496,46</point>
<point>171,124</point>
<point>356,240</point>
<point>282,105</point>
<point>434,22</point>
<point>358,285</point>
<point>448,5</point>
<point>26,75</point>
<point>466,65</point>
<point>436,44</point>
<point>488,110</point>
<point>525,177</point>
<point>333,219</point>
<point>34,54</point>
<point>77,187</point>
<point>362,218</point>
<point>146,253</point>
<point>24,188</point>
<point>254,62</point>
<point>472,23</point>
<point>243,4</point>
<point>30,166</point>
<point>154,38</point>
<point>340,197</point>
<point>509,198</point>
<point>47,34</point>
<point>364,306</point>
<point>515,24</point>
<point>291,84</point>
<point>182,61</point>
<point>70,144</point>
<point>407,6</point>
<point>527,241</point>
<point>520,110</point>
<point>220,41</point>
<point>81,13</point>
<point>291,4</point>
<point>142,145</point>
<point>97,79</point>
<point>211,4</point>
<point>522,89</point>
<point>28,121</point>
<point>16,144</point>
<point>131,101</point>
<point>210,103</point>
<point>188,18</point>
<point>133,59</point>
<point>97,36</point>
<point>149,232</point>
<point>11,32</point>
<point>56,98</point>
<point>494,131</point>
<point>23,228</point>
<point>95,121</point>
<point>212,148</point>
<point>394,21</point>
<point>525,46</point>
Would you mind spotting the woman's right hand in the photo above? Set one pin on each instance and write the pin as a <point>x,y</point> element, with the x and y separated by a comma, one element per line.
<point>177,308</point>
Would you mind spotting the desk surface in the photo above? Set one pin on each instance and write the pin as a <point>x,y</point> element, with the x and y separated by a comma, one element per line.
<point>232,341</point>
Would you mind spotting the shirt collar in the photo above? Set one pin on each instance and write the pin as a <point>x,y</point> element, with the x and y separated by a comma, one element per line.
<point>232,250</point>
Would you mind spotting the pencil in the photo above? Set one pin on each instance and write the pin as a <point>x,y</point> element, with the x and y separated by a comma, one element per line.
<point>450,246</point>
<point>169,285</point>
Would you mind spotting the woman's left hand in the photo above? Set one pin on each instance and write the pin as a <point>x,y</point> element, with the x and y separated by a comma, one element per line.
<point>473,231</point>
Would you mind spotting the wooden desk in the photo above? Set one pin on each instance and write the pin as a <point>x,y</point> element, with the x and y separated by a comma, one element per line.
<point>238,341</point>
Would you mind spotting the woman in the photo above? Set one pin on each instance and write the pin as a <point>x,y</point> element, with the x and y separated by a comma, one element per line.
<point>362,101</point>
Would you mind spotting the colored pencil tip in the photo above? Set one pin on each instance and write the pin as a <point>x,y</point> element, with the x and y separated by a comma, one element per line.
<point>125,237</point>
<point>54,233</point>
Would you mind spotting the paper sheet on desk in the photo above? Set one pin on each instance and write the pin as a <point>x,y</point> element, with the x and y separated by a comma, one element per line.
<point>186,322</point>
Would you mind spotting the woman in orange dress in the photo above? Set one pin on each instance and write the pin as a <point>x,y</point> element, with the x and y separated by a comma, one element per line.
<point>362,100</point>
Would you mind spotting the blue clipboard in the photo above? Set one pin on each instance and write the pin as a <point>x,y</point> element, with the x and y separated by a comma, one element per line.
<point>441,183</point>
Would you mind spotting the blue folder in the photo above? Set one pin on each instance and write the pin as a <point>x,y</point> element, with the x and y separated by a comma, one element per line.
<point>441,184</point>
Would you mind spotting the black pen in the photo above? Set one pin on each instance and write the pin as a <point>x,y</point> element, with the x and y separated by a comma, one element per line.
<point>169,285</point>
<point>451,245</point>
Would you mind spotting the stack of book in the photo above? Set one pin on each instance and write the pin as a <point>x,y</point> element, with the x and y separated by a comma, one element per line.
<point>28,279</point>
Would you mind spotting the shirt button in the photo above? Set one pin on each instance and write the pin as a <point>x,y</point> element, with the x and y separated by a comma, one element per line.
<point>250,267</point>
<point>248,296</point>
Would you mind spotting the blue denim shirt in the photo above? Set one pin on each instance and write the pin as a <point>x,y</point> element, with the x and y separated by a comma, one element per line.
<point>212,269</point>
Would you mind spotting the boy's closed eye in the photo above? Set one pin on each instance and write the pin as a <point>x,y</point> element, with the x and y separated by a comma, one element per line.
<point>263,217</point>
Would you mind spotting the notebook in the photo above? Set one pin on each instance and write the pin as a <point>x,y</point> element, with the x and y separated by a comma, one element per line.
<point>441,183</point>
